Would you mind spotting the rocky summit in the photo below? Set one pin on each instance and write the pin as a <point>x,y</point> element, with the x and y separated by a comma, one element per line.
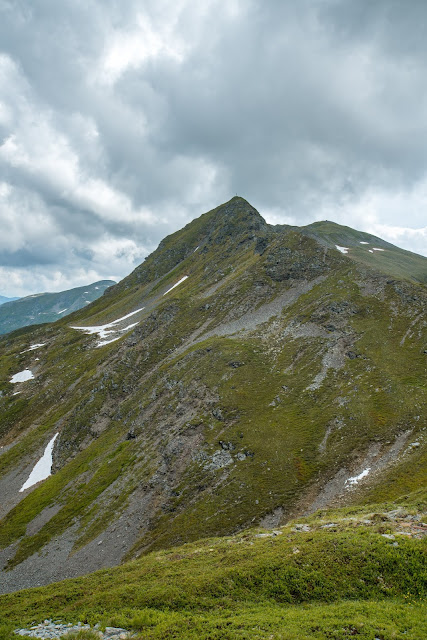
<point>242,376</point>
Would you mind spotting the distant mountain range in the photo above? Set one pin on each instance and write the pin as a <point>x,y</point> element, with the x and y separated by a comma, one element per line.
<point>242,376</point>
<point>47,307</point>
<point>3,299</point>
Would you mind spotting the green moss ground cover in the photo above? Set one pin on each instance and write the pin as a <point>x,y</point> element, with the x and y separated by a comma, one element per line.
<point>337,583</point>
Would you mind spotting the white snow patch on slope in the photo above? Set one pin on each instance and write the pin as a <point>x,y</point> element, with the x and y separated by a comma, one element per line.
<point>342,249</point>
<point>34,346</point>
<point>105,330</point>
<point>195,249</point>
<point>355,479</point>
<point>176,284</point>
<point>43,467</point>
<point>63,311</point>
<point>104,342</point>
<point>376,249</point>
<point>370,251</point>
<point>361,242</point>
<point>22,376</point>
<point>130,326</point>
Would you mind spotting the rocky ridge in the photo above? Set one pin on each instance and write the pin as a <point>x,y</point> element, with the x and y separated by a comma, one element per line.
<point>262,386</point>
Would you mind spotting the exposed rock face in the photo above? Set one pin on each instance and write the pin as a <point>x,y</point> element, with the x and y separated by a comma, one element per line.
<point>296,263</point>
<point>250,391</point>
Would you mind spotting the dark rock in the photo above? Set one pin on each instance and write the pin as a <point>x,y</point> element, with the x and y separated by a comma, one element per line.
<point>261,245</point>
<point>217,413</point>
<point>352,355</point>
<point>330,327</point>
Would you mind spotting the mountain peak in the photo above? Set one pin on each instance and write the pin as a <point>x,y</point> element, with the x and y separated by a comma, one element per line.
<point>236,206</point>
<point>237,216</point>
<point>243,374</point>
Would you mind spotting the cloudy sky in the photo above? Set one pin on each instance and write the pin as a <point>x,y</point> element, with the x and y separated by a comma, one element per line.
<point>121,120</point>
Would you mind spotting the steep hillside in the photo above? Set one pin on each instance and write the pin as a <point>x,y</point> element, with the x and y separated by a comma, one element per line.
<point>370,250</point>
<point>349,573</point>
<point>41,308</point>
<point>242,375</point>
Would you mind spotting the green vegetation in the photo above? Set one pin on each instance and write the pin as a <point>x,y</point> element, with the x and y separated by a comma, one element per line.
<point>277,369</point>
<point>392,260</point>
<point>337,582</point>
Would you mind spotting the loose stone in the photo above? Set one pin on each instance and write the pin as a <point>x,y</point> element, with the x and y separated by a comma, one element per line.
<point>49,630</point>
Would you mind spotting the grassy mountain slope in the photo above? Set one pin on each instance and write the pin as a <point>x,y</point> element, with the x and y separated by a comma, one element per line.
<point>363,247</point>
<point>280,377</point>
<point>48,307</point>
<point>353,572</point>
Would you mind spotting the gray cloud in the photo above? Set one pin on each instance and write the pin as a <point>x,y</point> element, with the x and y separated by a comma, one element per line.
<point>119,122</point>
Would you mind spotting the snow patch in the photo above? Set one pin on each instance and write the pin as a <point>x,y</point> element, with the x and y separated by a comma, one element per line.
<point>104,342</point>
<point>63,311</point>
<point>361,242</point>
<point>342,249</point>
<point>22,376</point>
<point>176,284</point>
<point>195,249</point>
<point>376,249</point>
<point>130,326</point>
<point>43,467</point>
<point>370,251</point>
<point>34,346</point>
<point>105,330</point>
<point>355,479</point>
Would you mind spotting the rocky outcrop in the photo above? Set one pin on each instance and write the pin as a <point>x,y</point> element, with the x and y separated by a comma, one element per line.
<point>235,398</point>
